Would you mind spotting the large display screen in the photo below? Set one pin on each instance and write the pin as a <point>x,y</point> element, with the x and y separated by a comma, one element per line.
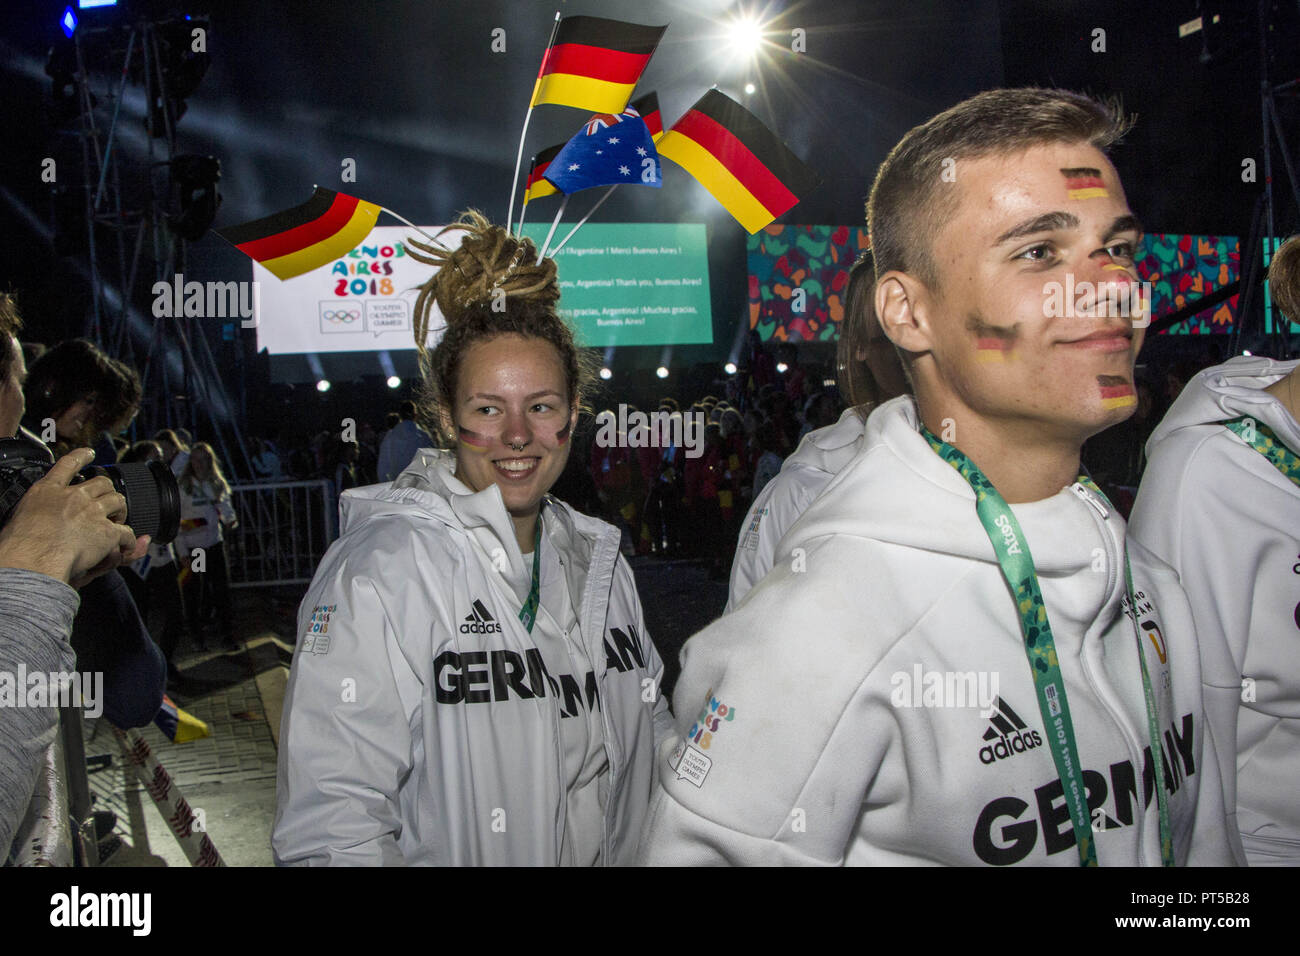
<point>620,284</point>
<point>797,277</point>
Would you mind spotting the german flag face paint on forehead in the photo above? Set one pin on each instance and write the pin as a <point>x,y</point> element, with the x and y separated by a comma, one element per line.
<point>1116,392</point>
<point>1084,182</point>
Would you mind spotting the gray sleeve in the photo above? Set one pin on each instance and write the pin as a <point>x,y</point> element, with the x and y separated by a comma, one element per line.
<point>36,613</point>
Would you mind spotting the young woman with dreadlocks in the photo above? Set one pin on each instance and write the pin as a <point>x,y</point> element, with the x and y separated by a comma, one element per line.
<point>473,681</point>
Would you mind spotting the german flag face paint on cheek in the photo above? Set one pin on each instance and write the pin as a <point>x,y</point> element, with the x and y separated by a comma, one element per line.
<point>473,440</point>
<point>1116,392</point>
<point>993,350</point>
<point>563,434</point>
<point>993,343</point>
<point>1084,182</point>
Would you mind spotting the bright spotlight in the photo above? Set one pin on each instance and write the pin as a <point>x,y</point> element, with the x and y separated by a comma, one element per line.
<point>749,89</point>
<point>730,368</point>
<point>782,367</point>
<point>606,374</point>
<point>323,385</point>
<point>394,382</point>
<point>661,371</point>
<point>745,36</point>
<point>1246,352</point>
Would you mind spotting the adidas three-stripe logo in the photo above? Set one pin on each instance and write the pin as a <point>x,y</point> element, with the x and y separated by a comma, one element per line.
<point>1008,733</point>
<point>480,621</point>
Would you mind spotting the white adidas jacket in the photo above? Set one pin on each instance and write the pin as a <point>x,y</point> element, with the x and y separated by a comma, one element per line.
<point>806,731</point>
<point>413,737</point>
<point>804,475</point>
<point>1229,523</point>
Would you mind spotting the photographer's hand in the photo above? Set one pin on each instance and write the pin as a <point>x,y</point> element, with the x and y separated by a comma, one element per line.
<point>70,532</point>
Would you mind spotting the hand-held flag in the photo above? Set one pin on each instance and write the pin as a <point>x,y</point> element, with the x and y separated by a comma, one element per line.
<point>610,149</point>
<point>647,107</point>
<point>739,160</point>
<point>594,63</point>
<point>537,185</point>
<point>306,237</point>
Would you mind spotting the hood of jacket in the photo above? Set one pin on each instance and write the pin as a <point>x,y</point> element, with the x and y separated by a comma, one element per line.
<point>1231,390</point>
<point>429,487</point>
<point>868,499</point>
<point>831,448</point>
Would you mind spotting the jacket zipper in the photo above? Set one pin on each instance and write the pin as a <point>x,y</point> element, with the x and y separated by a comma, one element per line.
<point>1100,513</point>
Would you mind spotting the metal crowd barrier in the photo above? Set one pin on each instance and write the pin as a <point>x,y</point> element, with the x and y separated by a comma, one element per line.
<point>283,532</point>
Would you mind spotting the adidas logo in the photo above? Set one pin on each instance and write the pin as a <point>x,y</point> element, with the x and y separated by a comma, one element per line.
<point>480,621</point>
<point>1009,734</point>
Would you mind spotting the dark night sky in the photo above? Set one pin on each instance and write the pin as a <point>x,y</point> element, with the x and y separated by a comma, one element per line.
<point>413,92</point>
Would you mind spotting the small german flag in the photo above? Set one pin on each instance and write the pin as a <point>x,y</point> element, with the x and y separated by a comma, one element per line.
<point>594,63</point>
<point>305,237</point>
<point>538,187</point>
<point>648,107</point>
<point>738,160</point>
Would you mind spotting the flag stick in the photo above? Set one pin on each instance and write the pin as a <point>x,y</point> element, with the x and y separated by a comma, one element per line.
<point>560,212</point>
<point>433,239</point>
<point>519,156</point>
<point>522,211</point>
<point>608,193</point>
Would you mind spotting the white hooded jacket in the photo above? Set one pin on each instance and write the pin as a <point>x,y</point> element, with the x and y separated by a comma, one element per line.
<point>421,725</point>
<point>804,475</point>
<point>1228,522</point>
<point>822,722</point>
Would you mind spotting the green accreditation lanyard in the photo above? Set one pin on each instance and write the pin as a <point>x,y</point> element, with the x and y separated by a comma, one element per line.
<point>528,613</point>
<point>1012,551</point>
<point>1261,438</point>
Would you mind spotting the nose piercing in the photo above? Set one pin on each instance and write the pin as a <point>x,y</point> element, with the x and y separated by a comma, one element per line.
<point>514,447</point>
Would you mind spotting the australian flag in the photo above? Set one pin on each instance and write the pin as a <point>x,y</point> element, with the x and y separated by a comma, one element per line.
<point>612,148</point>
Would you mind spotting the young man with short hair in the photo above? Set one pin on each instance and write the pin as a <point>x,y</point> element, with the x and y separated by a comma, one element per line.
<point>940,669</point>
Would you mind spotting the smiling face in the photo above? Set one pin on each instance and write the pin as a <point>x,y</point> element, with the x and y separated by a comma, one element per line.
<point>1035,268</point>
<point>513,417</point>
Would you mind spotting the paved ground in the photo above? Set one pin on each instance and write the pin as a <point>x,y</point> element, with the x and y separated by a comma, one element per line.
<point>230,775</point>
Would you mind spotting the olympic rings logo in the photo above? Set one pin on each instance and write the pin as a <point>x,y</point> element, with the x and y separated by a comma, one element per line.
<point>341,315</point>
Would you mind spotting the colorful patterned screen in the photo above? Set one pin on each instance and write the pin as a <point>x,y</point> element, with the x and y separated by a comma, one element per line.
<point>797,276</point>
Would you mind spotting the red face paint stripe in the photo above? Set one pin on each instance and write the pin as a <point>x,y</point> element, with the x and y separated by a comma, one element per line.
<point>474,439</point>
<point>1116,391</point>
<point>563,434</point>
<point>998,345</point>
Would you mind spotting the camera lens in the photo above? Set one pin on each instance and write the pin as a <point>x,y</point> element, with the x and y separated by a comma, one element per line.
<point>153,500</point>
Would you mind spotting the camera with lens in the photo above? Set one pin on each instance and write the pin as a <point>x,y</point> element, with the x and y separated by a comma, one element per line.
<point>153,499</point>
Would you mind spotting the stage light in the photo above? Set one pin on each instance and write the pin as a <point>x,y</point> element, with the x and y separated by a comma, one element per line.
<point>195,181</point>
<point>745,36</point>
<point>69,22</point>
<point>91,4</point>
<point>749,89</point>
<point>323,385</point>
<point>661,372</point>
<point>394,382</point>
<point>1246,352</point>
<point>730,368</point>
<point>782,367</point>
<point>606,374</point>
